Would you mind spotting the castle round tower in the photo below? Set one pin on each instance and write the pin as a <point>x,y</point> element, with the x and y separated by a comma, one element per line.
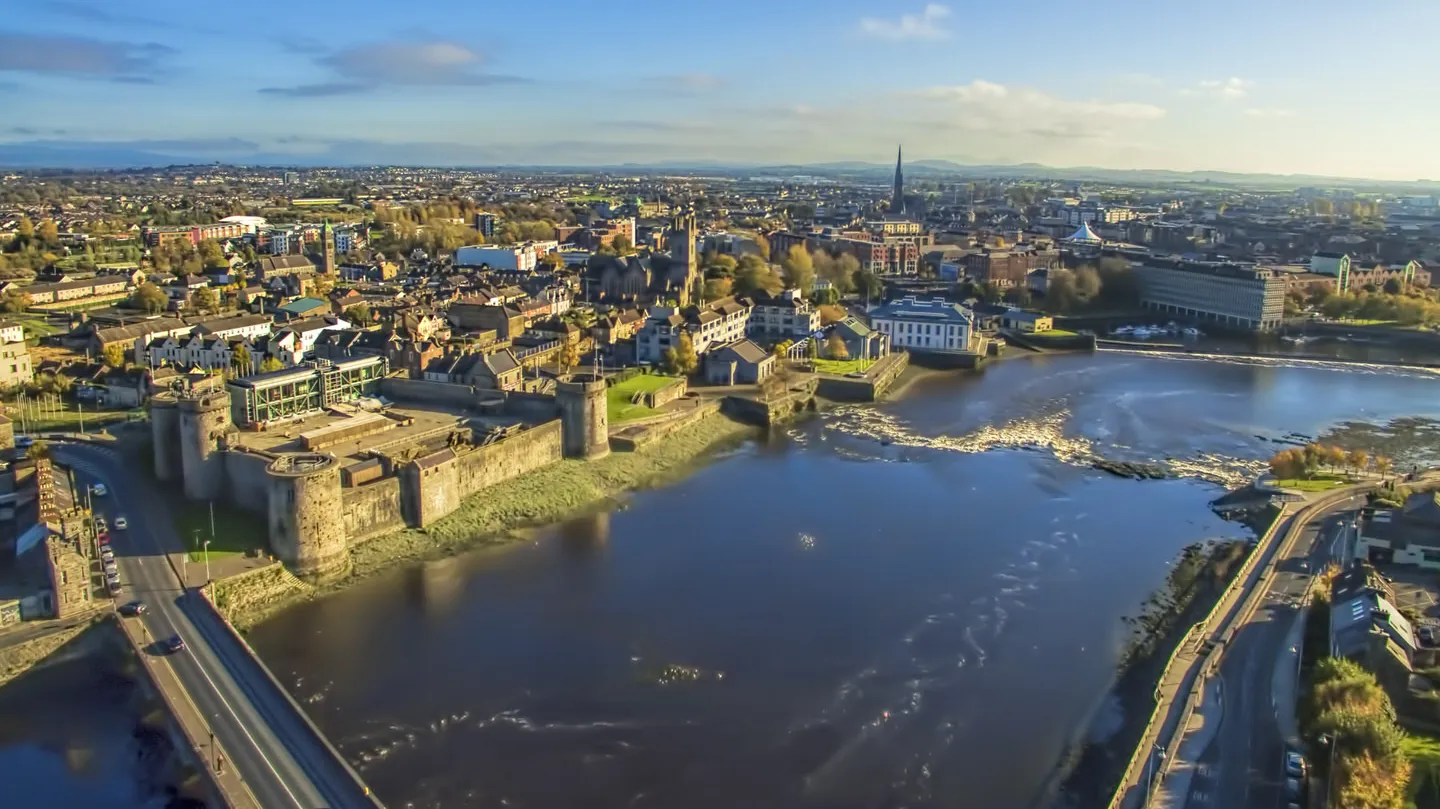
<point>204,422</point>
<point>584,422</point>
<point>307,525</point>
<point>165,435</point>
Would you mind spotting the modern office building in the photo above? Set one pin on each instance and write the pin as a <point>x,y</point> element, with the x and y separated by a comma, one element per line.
<point>1240,296</point>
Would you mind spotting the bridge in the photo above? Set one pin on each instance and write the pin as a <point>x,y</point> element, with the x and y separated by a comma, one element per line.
<point>227,702</point>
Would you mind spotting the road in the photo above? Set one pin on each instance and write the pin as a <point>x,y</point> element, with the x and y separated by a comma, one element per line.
<point>1243,766</point>
<point>269,744</point>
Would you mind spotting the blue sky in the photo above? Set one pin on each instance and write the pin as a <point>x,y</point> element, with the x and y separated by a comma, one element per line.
<point>1284,86</point>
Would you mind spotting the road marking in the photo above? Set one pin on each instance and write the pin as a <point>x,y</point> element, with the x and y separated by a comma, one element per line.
<point>90,470</point>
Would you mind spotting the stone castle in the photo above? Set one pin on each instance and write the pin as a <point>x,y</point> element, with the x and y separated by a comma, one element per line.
<point>317,505</point>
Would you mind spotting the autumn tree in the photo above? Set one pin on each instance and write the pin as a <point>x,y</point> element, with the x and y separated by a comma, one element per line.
<point>271,364</point>
<point>149,298</point>
<point>1358,459</point>
<point>799,269</point>
<point>835,347</point>
<point>568,356</point>
<point>622,245</point>
<point>241,360</point>
<point>1383,464</point>
<point>717,288</point>
<point>754,275</point>
<point>14,300</point>
<point>681,359</point>
<point>49,231</point>
<point>1288,464</point>
<point>114,355</point>
<point>25,229</point>
<point>206,299</point>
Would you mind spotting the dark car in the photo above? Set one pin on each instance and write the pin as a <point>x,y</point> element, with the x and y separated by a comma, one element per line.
<point>133,608</point>
<point>174,644</point>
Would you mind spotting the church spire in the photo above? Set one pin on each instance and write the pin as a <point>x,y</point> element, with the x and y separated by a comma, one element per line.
<point>897,200</point>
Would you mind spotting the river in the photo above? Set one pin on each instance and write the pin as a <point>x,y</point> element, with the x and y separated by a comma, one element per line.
<point>912,604</point>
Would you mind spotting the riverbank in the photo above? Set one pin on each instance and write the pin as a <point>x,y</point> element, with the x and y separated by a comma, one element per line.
<point>493,517</point>
<point>22,657</point>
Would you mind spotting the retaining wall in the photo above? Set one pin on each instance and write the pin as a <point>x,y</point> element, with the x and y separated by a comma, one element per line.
<point>438,393</point>
<point>637,437</point>
<point>512,457</point>
<point>245,480</point>
<point>372,509</point>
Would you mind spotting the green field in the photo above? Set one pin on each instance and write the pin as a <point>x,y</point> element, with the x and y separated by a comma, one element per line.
<point>1424,754</point>
<point>617,399</point>
<point>40,416</point>
<point>842,366</point>
<point>1319,483</point>
<point>1055,333</point>
<point>591,198</point>
<point>236,531</point>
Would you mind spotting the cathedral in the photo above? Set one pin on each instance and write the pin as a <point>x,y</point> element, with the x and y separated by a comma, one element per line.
<point>645,279</point>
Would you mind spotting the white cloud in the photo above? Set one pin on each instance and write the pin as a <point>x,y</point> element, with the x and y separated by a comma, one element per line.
<point>1229,89</point>
<point>985,106</point>
<point>928,24</point>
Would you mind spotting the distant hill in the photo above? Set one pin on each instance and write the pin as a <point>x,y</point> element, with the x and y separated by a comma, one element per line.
<point>86,155</point>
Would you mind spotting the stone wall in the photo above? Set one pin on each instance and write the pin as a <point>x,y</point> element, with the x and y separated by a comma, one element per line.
<point>436,393</point>
<point>510,458</point>
<point>659,398</point>
<point>372,509</point>
<point>534,407</point>
<point>245,480</point>
<point>306,529</point>
<point>429,491</point>
<point>869,388</point>
<point>633,438</point>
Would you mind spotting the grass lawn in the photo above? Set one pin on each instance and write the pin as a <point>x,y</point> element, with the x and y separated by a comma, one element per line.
<point>841,366</point>
<point>1424,754</point>
<point>617,398</point>
<point>236,531</point>
<point>42,417</point>
<point>36,326</point>
<point>1055,333</point>
<point>1319,483</point>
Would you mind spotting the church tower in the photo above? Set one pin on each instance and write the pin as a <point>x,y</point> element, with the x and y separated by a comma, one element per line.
<point>897,197</point>
<point>682,255</point>
<point>327,247</point>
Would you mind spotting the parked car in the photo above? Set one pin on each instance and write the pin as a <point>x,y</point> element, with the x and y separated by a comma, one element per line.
<point>121,523</point>
<point>103,539</point>
<point>106,555</point>
<point>113,585</point>
<point>100,525</point>
<point>1294,764</point>
<point>174,644</point>
<point>133,608</point>
<point>24,442</point>
<point>1294,790</point>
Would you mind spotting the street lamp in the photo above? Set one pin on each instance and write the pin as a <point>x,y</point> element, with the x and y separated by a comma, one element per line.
<point>1157,755</point>
<point>207,562</point>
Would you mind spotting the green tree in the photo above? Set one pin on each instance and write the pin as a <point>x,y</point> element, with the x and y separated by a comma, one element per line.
<point>754,275</point>
<point>868,285</point>
<point>211,254</point>
<point>241,361</point>
<point>114,355</point>
<point>1087,283</point>
<point>149,298</point>
<point>14,300</point>
<point>1061,295</point>
<point>622,245</point>
<point>206,299</point>
<point>717,288</point>
<point>682,360</point>
<point>271,364</point>
<point>359,314</point>
<point>799,269</point>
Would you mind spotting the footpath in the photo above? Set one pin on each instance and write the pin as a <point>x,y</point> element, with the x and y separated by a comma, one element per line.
<point>1172,741</point>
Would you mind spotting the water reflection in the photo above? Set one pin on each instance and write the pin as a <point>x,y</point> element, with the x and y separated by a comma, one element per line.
<point>910,605</point>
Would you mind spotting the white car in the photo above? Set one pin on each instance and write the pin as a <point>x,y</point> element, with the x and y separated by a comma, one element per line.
<point>99,490</point>
<point>121,523</point>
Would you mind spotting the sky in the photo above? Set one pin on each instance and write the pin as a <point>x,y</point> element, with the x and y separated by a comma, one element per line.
<point>1275,86</point>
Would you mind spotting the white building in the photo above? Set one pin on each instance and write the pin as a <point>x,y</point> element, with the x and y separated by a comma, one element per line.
<point>519,258</point>
<point>247,326</point>
<point>714,324</point>
<point>925,325</point>
<point>11,332</point>
<point>296,342</point>
<point>251,224</point>
<point>345,240</point>
<point>786,316</point>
